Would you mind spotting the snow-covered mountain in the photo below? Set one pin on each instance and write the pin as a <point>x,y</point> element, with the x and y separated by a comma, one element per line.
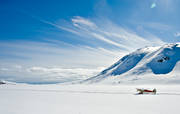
<point>146,65</point>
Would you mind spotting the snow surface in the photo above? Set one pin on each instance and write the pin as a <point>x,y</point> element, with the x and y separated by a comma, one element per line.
<point>88,99</point>
<point>146,65</point>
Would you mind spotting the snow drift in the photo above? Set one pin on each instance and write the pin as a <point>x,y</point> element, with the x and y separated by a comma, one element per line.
<point>146,65</point>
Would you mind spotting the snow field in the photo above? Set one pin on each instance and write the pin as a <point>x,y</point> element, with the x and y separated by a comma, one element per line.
<point>88,99</point>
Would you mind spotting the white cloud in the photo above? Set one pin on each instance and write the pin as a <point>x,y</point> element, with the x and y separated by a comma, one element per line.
<point>55,61</point>
<point>99,36</point>
<point>105,31</point>
<point>110,33</point>
<point>18,66</point>
<point>3,69</point>
<point>80,21</point>
<point>83,72</point>
<point>39,74</point>
<point>37,62</point>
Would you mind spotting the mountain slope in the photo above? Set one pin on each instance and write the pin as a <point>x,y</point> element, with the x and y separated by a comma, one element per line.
<point>150,64</point>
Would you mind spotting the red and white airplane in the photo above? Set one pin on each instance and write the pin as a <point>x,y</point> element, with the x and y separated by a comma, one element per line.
<point>146,91</point>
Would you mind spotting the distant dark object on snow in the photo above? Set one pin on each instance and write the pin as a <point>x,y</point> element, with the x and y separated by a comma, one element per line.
<point>1,82</point>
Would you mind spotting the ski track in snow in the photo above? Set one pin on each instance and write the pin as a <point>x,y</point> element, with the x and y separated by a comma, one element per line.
<point>91,92</point>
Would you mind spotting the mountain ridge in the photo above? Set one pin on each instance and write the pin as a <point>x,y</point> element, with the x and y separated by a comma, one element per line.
<point>155,61</point>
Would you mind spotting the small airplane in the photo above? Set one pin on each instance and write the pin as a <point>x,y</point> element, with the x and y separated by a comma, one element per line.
<point>146,91</point>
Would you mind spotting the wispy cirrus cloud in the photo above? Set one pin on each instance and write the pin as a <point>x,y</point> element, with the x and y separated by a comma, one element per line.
<point>53,60</point>
<point>80,21</point>
<point>109,33</point>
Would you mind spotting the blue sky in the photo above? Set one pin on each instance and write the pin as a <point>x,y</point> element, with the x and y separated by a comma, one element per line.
<point>49,41</point>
